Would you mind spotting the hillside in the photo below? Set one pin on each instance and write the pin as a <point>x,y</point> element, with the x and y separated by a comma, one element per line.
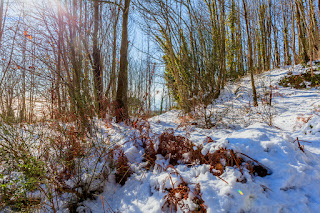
<point>294,179</point>
<point>239,159</point>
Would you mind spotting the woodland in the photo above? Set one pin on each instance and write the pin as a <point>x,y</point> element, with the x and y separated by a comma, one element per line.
<point>96,94</point>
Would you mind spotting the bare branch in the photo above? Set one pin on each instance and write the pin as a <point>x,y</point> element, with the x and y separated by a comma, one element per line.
<point>111,2</point>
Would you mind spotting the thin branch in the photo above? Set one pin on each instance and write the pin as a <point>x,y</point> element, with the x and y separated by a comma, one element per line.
<point>111,2</point>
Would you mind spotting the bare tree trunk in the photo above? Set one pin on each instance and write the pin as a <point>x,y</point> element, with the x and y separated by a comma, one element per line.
<point>122,91</point>
<point>1,32</point>
<point>112,84</point>
<point>32,82</point>
<point>254,93</point>
<point>293,34</point>
<point>23,107</point>
<point>303,49</point>
<point>59,72</point>
<point>96,55</point>
<point>311,35</point>
<point>275,37</point>
<point>269,36</point>
<point>287,57</point>
<point>223,43</point>
<point>1,19</point>
<point>319,7</point>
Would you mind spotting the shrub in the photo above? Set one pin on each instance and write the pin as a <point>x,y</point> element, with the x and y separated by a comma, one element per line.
<point>300,81</point>
<point>22,171</point>
<point>45,162</point>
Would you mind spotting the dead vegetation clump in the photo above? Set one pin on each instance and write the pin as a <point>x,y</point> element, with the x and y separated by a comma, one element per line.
<point>143,137</point>
<point>201,207</point>
<point>180,150</point>
<point>150,155</point>
<point>174,148</point>
<point>85,163</point>
<point>68,147</point>
<point>176,197</point>
<point>119,162</point>
<point>144,140</point>
<point>78,165</point>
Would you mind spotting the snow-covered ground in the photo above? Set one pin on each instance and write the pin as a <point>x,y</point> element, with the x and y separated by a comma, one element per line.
<point>284,138</point>
<point>294,184</point>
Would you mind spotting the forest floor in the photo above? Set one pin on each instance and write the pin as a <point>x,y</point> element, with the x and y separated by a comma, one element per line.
<point>265,133</point>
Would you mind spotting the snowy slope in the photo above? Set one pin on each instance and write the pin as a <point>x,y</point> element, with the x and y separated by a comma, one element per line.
<point>293,186</point>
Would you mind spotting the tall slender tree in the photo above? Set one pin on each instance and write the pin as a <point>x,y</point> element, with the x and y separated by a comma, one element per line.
<point>250,64</point>
<point>96,55</point>
<point>2,20</point>
<point>122,91</point>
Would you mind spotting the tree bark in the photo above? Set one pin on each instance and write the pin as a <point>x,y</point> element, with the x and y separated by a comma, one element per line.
<point>254,93</point>
<point>96,55</point>
<point>121,107</point>
<point>59,43</point>
<point>303,49</point>
<point>293,34</point>
<point>1,19</point>
<point>287,57</point>
<point>112,84</point>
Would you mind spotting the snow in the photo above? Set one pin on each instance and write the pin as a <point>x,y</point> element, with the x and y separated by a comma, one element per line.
<point>294,182</point>
<point>268,134</point>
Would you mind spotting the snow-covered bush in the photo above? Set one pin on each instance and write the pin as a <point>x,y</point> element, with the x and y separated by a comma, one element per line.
<point>22,170</point>
<point>54,166</point>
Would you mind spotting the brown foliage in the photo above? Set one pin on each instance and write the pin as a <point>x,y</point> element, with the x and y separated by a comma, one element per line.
<point>174,147</point>
<point>69,146</point>
<point>120,162</point>
<point>198,200</point>
<point>176,196</point>
<point>180,150</point>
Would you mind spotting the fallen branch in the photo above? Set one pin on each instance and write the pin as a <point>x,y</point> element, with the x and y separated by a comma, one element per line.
<point>301,147</point>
